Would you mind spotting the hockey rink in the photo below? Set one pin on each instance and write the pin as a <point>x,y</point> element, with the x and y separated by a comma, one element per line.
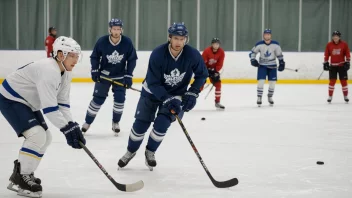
<point>272,151</point>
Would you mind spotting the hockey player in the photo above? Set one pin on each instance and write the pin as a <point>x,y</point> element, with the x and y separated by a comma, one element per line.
<point>338,50</point>
<point>49,41</point>
<point>170,69</point>
<point>108,59</point>
<point>213,57</point>
<point>40,85</point>
<point>269,50</point>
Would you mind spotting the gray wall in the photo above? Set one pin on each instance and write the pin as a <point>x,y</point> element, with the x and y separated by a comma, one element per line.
<point>298,25</point>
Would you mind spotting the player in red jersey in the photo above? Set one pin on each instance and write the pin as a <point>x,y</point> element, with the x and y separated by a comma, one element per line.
<point>49,41</point>
<point>213,57</point>
<point>338,50</point>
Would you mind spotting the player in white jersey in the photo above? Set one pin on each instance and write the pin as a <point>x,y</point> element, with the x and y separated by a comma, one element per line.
<point>269,50</point>
<point>40,85</point>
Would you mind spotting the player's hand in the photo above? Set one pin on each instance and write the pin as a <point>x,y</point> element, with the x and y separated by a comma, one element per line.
<point>281,65</point>
<point>189,100</point>
<point>215,77</point>
<point>73,135</point>
<point>95,75</point>
<point>127,81</point>
<point>173,104</point>
<point>347,66</point>
<point>254,63</point>
<point>326,66</point>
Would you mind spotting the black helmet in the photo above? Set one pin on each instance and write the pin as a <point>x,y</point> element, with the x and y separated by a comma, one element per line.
<point>336,33</point>
<point>51,29</point>
<point>215,40</point>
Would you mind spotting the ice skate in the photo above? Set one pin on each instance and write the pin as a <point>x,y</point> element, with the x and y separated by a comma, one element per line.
<point>270,100</point>
<point>329,99</point>
<point>25,184</point>
<point>150,159</point>
<point>116,128</point>
<point>346,99</point>
<point>125,159</point>
<point>259,101</point>
<point>219,106</point>
<point>85,127</point>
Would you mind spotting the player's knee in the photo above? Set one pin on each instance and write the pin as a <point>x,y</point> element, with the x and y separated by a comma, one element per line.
<point>119,98</point>
<point>261,83</point>
<point>332,81</point>
<point>36,138</point>
<point>272,84</point>
<point>141,126</point>
<point>162,122</point>
<point>47,141</point>
<point>99,100</point>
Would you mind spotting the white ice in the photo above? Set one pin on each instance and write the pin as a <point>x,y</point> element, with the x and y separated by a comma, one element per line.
<point>271,150</point>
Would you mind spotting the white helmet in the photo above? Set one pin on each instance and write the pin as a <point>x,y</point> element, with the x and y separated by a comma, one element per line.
<point>66,45</point>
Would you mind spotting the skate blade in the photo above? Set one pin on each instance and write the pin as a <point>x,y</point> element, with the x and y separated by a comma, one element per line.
<point>11,187</point>
<point>150,167</point>
<point>271,105</point>
<point>220,109</point>
<point>27,193</point>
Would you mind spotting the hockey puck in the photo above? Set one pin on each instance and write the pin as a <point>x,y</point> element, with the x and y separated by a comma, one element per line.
<point>320,163</point>
<point>203,118</point>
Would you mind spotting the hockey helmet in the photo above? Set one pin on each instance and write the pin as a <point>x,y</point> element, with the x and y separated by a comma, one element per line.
<point>51,29</point>
<point>115,22</point>
<point>215,40</point>
<point>267,31</point>
<point>66,45</point>
<point>336,33</point>
<point>178,29</point>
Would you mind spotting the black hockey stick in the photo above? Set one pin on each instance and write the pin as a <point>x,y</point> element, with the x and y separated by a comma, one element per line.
<point>122,187</point>
<point>219,184</point>
<point>321,74</point>
<point>289,69</point>
<point>118,83</point>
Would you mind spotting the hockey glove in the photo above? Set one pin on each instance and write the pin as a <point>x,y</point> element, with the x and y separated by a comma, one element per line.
<point>215,77</point>
<point>95,75</point>
<point>73,135</point>
<point>127,81</point>
<point>281,65</point>
<point>254,63</point>
<point>347,66</point>
<point>326,66</point>
<point>189,100</point>
<point>173,103</point>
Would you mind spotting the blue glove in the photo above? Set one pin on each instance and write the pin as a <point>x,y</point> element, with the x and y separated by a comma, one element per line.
<point>281,65</point>
<point>73,135</point>
<point>127,81</point>
<point>173,104</point>
<point>189,100</point>
<point>95,75</point>
<point>254,62</point>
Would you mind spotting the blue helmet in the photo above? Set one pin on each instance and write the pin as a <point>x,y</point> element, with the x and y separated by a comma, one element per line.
<point>115,22</point>
<point>267,31</point>
<point>178,29</point>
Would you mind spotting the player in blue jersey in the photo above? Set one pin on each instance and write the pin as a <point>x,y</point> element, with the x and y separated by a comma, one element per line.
<point>269,50</point>
<point>170,70</point>
<point>113,57</point>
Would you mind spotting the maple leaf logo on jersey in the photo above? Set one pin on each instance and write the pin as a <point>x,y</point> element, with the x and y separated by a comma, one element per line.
<point>212,61</point>
<point>174,78</point>
<point>267,53</point>
<point>114,58</point>
<point>336,51</point>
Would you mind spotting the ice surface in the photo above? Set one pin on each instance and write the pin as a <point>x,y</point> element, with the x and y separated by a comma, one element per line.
<point>271,150</point>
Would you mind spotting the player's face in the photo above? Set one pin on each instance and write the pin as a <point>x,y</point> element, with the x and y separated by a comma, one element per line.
<point>53,32</point>
<point>215,46</point>
<point>177,42</point>
<point>115,31</point>
<point>267,36</point>
<point>70,61</point>
<point>336,38</point>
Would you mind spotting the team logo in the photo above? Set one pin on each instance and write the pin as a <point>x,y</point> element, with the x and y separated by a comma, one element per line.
<point>267,53</point>
<point>336,51</point>
<point>212,61</point>
<point>114,58</point>
<point>174,78</point>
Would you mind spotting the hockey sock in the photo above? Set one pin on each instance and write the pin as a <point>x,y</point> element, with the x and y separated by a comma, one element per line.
<point>29,155</point>
<point>344,87</point>
<point>137,135</point>
<point>47,142</point>
<point>161,124</point>
<point>271,88</point>
<point>93,109</point>
<point>217,92</point>
<point>332,86</point>
<point>260,87</point>
<point>117,112</point>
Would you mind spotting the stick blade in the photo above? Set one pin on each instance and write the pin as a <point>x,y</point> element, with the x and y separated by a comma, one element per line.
<point>226,184</point>
<point>130,187</point>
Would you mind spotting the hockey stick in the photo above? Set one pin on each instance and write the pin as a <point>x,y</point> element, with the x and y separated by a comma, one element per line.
<point>211,88</point>
<point>289,69</point>
<point>219,184</point>
<point>321,74</point>
<point>122,187</point>
<point>119,84</point>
